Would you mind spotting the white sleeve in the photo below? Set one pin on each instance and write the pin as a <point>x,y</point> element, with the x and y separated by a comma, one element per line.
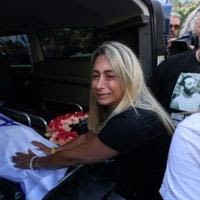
<point>182,175</point>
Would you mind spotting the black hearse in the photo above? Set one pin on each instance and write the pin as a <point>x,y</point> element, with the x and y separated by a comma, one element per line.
<point>46,46</point>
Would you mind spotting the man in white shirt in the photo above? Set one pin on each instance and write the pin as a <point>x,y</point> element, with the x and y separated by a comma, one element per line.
<point>182,177</point>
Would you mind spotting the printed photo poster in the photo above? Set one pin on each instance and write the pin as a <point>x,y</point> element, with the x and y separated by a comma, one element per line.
<point>186,94</point>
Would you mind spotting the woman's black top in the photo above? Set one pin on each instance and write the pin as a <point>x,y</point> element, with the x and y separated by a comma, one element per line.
<point>142,142</point>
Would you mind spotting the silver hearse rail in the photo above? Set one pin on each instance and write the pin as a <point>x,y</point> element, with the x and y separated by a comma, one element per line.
<point>28,119</point>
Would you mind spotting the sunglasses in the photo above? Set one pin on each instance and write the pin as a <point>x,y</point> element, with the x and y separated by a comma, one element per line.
<point>175,26</point>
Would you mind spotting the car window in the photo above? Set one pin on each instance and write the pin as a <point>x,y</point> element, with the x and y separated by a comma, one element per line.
<point>15,50</point>
<point>71,41</point>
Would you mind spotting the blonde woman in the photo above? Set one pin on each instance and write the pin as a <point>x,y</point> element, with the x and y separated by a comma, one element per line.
<point>125,122</point>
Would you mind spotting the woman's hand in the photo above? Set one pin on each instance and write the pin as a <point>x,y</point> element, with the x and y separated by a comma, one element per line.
<point>40,146</point>
<point>22,160</point>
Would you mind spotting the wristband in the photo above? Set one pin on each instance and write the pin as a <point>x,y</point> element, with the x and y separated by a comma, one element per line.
<point>31,164</point>
<point>53,150</point>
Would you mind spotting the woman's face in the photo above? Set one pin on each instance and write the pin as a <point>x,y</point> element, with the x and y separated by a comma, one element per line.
<point>106,86</point>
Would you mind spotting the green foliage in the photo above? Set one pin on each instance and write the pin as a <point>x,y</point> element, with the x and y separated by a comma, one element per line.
<point>184,9</point>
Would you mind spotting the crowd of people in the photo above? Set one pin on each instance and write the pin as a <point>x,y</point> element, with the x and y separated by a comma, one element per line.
<point>174,26</point>
<point>176,86</point>
<point>126,123</point>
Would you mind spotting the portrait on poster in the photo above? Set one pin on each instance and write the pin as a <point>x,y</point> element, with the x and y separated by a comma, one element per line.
<point>186,94</point>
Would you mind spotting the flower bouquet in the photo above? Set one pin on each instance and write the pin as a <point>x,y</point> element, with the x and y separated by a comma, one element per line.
<point>65,128</point>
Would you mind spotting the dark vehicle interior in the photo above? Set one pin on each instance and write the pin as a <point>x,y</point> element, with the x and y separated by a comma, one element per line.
<point>46,47</point>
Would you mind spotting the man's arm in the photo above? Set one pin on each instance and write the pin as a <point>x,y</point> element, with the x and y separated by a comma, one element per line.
<point>174,104</point>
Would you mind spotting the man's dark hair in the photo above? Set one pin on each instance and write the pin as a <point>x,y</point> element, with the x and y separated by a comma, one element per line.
<point>183,80</point>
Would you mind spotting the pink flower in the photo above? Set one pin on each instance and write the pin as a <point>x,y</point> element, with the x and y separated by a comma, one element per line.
<point>60,130</point>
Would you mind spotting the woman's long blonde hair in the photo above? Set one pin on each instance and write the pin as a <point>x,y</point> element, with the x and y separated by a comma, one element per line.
<point>136,94</point>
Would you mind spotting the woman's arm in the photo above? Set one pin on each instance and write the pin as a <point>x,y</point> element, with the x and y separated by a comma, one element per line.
<point>79,140</point>
<point>88,152</point>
